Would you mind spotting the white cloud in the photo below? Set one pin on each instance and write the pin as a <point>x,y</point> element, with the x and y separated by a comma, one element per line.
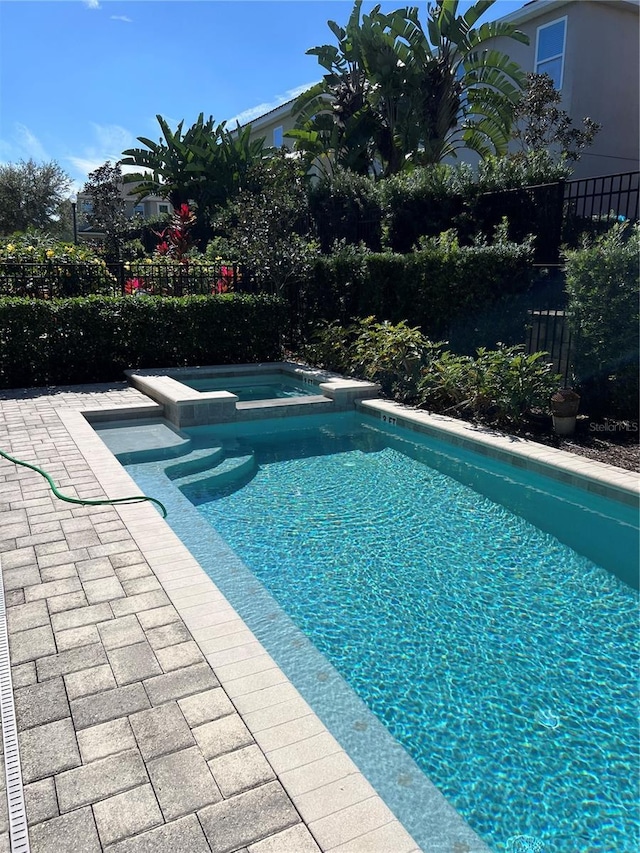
<point>92,4</point>
<point>255,112</point>
<point>110,140</point>
<point>121,18</point>
<point>22,145</point>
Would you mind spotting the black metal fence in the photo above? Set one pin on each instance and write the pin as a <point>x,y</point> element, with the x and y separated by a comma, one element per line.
<point>547,326</point>
<point>603,198</point>
<point>50,280</point>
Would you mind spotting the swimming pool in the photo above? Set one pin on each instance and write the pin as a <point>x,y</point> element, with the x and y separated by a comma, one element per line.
<point>503,659</point>
<point>269,386</point>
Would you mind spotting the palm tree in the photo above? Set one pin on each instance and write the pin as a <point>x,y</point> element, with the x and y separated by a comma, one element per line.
<point>397,95</point>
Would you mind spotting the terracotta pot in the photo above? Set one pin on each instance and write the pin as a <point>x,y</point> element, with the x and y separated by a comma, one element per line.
<point>565,403</point>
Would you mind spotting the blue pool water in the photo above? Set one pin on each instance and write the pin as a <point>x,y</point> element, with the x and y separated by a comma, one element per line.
<point>503,660</point>
<point>268,386</point>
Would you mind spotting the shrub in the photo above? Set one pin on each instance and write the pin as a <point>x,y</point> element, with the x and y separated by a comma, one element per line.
<point>62,269</point>
<point>346,206</point>
<point>433,199</point>
<point>603,290</point>
<point>393,355</point>
<point>497,386</point>
<point>432,288</point>
<point>423,202</point>
<point>94,339</point>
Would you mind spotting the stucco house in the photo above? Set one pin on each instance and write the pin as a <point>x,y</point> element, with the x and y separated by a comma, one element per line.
<point>590,48</point>
<point>146,208</point>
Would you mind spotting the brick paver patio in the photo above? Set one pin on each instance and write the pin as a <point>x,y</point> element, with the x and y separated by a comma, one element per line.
<point>128,742</point>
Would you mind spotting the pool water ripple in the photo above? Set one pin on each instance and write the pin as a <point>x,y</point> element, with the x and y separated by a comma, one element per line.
<point>502,660</point>
<point>460,625</point>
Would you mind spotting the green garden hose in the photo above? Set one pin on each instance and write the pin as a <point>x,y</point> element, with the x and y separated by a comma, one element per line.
<point>106,501</point>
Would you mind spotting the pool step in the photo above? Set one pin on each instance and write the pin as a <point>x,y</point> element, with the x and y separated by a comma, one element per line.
<point>195,462</point>
<point>233,469</point>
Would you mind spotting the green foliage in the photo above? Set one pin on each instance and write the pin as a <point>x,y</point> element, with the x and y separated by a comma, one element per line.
<point>34,195</point>
<point>52,342</point>
<point>603,290</point>
<point>424,202</point>
<point>348,207</point>
<point>146,230</point>
<point>104,188</point>
<point>541,125</point>
<point>497,386</point>
<point>435,285</point>
<point>64,269</point>
<point>392,355</point>
<point>433,199</point>
<point>206,165</point>
<point>522,169</point>
<point>265,227</point>
<point>397,94</point>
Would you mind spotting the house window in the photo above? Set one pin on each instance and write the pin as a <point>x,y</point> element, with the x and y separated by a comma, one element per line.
<point>138,210</point>
<point>87,207</point>
<point>550,46</point>
<point>163,208</point>
<point>277,136</point>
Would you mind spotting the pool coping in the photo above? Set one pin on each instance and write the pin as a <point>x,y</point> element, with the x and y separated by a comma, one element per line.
<point>184,406</point>
<point>588,474</point>
<point>350,811</point>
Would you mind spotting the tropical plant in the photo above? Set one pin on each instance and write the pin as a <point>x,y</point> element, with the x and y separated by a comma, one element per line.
<point>204,166</point>
<point>497,386</point>
<point>396,94</point>
<point>176,240</point>
<point>394,355</point>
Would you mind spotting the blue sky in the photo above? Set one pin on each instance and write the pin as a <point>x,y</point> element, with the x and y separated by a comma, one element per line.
<point>81,79</point>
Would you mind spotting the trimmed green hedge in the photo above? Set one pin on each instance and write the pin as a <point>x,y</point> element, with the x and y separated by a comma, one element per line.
<point>603,287</point>
<point>437,287</point>
<point>94,339</point>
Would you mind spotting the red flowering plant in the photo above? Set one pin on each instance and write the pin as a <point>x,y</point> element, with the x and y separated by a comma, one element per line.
<point>225,283</point>
<point>175,239</point>
<point>135,286</point>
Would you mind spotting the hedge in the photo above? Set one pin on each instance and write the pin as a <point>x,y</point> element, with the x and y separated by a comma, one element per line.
<point>94,339</point>
<point>603,287</point>
<point>437,288</point>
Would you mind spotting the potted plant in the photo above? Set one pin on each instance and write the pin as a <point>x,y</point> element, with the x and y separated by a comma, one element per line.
<point>564,409</point>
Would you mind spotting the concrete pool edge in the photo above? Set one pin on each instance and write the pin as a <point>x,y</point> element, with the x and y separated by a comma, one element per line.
<point>580,471</point>
<point>347,809</point>
<point>184,406</point>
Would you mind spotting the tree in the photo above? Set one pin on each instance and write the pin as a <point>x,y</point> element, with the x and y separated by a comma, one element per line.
<point>396,94</point>
<point>203,167</point>
<point>265,226</point>
<point>542,126</point>
<point>34,195</point>
<point>105,189</point>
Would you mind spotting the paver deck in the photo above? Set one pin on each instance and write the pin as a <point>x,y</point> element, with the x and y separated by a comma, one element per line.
<point>127,698</point>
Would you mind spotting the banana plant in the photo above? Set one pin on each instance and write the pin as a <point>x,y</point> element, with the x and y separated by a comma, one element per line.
<point>204,165</point>
<point>397,95</point>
